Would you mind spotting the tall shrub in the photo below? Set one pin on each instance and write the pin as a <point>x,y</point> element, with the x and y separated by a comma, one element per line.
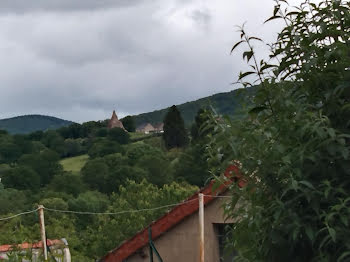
<point>293,146</point>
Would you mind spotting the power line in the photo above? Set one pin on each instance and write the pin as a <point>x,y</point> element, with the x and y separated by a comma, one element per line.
<point>110,213</point>
<point>120,212</point>
<point>17,215</point>
<point>219,196</point>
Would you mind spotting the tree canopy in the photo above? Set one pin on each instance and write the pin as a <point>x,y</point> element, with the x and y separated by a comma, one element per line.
<point>293,145</point>
<point>175,134</point>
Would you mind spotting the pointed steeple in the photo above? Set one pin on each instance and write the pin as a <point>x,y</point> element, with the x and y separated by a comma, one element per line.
<point>114,122</point>
<point>114,115</point>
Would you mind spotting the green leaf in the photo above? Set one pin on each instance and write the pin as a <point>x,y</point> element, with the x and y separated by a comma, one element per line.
<point>276,9</point>
<point>310,233</point>
<point>344,255</point>
<point>295,185</point>
<point>345,220</point>
<point>292,13</point>
<point>266,66</point>
<point>308,184</point>
<point>331,132</point>
<point>255,38</point>
<point>242,75</point>
<point>324,241</point>
<point>248,55</point>
<point>332,233</point>
<point>236,45</point>
<point>272,18</point>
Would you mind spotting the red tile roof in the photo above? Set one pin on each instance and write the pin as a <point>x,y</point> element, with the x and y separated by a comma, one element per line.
<point>6,248</point>
<point>172,218</point>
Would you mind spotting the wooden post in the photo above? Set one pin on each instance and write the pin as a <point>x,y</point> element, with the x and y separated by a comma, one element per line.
<point>42,230</point>
<point>150,244</point>
<point>201,227</point>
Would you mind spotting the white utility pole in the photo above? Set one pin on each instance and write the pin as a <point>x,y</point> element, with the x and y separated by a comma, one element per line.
<point>42,229</point>
<point>201,227</point>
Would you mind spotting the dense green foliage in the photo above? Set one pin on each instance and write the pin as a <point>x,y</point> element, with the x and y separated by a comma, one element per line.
<point>175,134</point>
<point>90,168</point>
<point>293,148</point>
<point>30,123</point>
<point>129,123</point>
<point>228,103</point>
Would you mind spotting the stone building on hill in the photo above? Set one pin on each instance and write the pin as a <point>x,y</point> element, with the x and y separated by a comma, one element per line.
<point>145,128</point>
<point>159,128</point>
<point>115,122</point>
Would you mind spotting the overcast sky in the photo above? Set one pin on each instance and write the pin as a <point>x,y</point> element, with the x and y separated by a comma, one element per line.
<point>80,59</point>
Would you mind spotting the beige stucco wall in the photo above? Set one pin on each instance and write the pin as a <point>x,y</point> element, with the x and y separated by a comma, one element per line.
<point>181,242</point>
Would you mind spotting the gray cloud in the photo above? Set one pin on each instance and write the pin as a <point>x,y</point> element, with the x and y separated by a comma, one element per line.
<point>23,6</point>
<point>202,17</point>
<point>105,55</point>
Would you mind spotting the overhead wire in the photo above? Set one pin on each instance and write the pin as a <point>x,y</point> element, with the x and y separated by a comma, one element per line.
<point>19,214</point>
<point>110,213</point>
<point>119,212</point>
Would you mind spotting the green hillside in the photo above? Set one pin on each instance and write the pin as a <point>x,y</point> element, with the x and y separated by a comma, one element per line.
<point>224,103</point>
<point>30,123</point>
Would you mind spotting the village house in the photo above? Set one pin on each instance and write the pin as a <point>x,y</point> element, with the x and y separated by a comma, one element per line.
<point>159,127</point>
<point>26,252</point>
<point>115,122</point>
<point>175,235</point>
<point>147,128</point>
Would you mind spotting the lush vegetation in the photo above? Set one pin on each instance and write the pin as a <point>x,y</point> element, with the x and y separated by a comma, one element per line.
<point>293,146</point>
<point>30,123</point>
<point>174,129</point>
<point>223,103</point>
<point>74,164</point>
<point>91,168</point>
<point>228,103</point>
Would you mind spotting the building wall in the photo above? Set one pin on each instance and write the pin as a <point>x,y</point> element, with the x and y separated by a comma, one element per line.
<point>146,129</point>
<point>181,242</point>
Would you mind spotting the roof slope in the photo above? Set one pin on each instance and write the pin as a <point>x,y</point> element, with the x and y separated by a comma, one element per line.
<point>6,248</point>
<point>170,219</point>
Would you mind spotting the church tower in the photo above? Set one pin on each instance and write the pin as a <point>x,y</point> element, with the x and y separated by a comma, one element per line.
<point>114,122</point>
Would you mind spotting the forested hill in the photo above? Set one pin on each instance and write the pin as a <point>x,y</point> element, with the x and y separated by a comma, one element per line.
<point>30,123</point>
<point>224,103</point>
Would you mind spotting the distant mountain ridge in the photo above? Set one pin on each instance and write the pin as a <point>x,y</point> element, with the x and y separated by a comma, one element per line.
<point>29,123</point>
<point>227,103</point>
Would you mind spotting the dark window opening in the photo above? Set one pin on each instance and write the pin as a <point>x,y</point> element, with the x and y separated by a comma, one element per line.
<point>226,252</point>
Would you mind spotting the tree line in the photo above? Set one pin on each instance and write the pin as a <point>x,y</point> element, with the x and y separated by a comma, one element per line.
<point>119,174</point>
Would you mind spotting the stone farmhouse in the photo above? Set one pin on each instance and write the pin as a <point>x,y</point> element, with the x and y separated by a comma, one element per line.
<point>147,128</point>
<point>175,235</point>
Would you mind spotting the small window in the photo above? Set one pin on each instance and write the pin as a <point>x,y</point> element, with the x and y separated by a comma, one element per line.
<point>223,236</point>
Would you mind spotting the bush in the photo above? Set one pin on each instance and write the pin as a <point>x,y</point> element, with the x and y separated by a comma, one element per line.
<point>104,147</point>
<point>119,135</point>
<point>21,178</point>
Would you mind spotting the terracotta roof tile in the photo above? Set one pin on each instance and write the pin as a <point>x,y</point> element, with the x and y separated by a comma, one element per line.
<point>6,248</point>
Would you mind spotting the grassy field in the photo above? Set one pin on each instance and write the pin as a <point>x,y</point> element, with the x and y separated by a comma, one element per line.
<point>137,135</point>
<point>74,164</point>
